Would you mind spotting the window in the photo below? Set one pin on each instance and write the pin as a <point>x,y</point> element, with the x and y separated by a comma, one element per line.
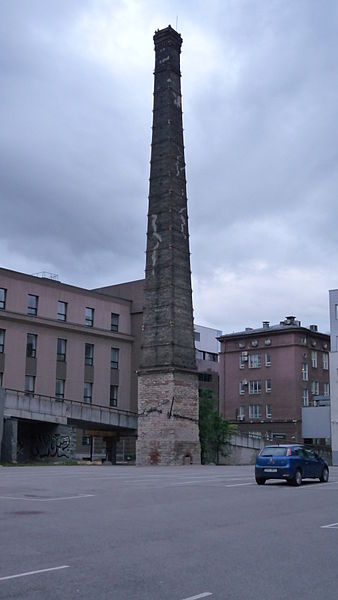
<point>206,377</point>
<point>32,306</point>
<point>29,384</point>
<point>305,372</point>
<point>336,310</point>
<point>114,358</point>
<point>115,322</point>
<point>268,411</point>
<point>86,440</point>
<point>1,379</point>
<point>31,345</point>
<point>314,359</point>
<point>267,359</point>
<point>2,341</point>
<point>243,359</point>
<point>3,292</point>
<point>303,340</point>
<point>113,395</point>
<point>243,386</point>
<point>212,356</point>
<point>199,354</point>
<point>62,311</point>
<point>255,386</point>
<point>89,354</point>
<point>60,388</point>
<point>240,413</point>
<point>61,350</point>
<point>315,388</point>
<point>268,386</point>
<point>255,361</point>
<point>305,397</point>
<point>326,389</point>
<point>87,392</point>
<point>89,317</point>
<point>325,361</point>
<point>255,411</point>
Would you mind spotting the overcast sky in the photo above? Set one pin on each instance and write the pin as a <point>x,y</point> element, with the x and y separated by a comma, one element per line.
<point>260,101</point>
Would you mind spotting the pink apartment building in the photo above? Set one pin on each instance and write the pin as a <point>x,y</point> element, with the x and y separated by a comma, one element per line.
<point>64,342</point>
<point>268,374</point>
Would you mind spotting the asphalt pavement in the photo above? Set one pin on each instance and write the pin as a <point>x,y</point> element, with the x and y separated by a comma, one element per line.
<point>165,533</point>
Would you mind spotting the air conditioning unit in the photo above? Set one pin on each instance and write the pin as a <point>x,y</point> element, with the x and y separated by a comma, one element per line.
<point>241,417</point>
<point>245,382</point>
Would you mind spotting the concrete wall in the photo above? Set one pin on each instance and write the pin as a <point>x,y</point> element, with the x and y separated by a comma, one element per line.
<point>241,450</point>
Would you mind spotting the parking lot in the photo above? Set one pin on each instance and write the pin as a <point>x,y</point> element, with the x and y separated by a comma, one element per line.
<point>165,533</point>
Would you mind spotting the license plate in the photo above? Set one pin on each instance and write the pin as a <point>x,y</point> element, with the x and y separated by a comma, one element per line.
<point>270,470</point>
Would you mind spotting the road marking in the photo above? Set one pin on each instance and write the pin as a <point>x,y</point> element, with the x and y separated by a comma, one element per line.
<point>204,595</point>
<point>34,572</point>
<point>238,484</point>
<point>46,499</point>
<point>332,526</point>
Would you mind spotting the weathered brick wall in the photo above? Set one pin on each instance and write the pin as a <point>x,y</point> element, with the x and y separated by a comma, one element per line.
<point>168,419</point>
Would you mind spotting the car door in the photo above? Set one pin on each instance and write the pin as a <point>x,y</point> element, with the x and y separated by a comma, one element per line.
<point>311,464</point>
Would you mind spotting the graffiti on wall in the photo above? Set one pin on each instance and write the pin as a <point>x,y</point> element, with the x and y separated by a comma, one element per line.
<point>51,445</point>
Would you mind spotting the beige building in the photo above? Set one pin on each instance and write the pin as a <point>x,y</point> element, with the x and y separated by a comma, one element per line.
<point>66,347</point>
<point>63,342</point>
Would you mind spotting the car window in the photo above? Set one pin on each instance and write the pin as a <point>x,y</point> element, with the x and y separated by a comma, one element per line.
<point>271,451</point>
<point>309,453</point>
<point>299,452</point>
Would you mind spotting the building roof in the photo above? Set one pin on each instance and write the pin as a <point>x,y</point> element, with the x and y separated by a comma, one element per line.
<point>289,324</point>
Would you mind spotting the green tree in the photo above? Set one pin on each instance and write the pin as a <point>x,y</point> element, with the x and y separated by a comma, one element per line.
<point>213,429</point>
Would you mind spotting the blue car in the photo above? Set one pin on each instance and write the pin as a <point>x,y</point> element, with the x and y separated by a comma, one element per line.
<point>291,462</point>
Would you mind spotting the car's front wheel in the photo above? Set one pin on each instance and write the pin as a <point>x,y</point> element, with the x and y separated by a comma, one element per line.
<point>324,478</point>
<point>297,479</point>
<point>260,480</point>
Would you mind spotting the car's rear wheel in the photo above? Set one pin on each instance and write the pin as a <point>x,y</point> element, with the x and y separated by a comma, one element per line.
<point>324,478</point>
<point>260,480</point>
<point>297,479</point>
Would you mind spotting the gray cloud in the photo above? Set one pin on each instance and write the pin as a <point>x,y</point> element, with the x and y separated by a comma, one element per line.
<point>260,89</point>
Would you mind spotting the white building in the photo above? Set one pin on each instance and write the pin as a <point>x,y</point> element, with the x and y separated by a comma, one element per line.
<point>334,373</point>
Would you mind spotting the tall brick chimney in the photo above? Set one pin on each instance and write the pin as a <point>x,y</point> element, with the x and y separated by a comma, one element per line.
<point>168,382</point>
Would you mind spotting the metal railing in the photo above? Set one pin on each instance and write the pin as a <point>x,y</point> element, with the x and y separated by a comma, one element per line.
<point>66,408</point>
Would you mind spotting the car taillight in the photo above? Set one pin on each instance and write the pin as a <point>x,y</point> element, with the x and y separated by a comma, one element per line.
<point>288,452</point>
